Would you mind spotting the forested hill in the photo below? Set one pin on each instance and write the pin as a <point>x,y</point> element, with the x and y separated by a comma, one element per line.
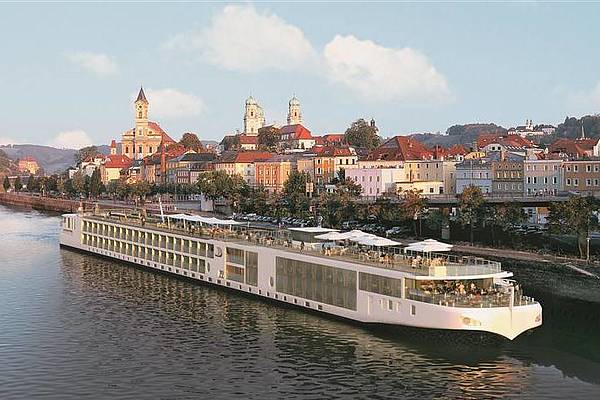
<point>7,167</point>
<point>464,134</point>
<point>571,127</point>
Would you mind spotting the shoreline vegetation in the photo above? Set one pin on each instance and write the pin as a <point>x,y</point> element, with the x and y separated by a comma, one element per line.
<point>590,269</point>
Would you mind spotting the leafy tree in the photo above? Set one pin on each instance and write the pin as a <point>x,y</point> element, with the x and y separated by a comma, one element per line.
<point>474,130</point>
<point>295,198</point>
<point>411,208</point>
<point>78,182</point>
<point>576,216</point>
<point>218,184</point>
<point>60,185</point>
<point>503,217</point>
<point>348,187</point>
<point>231,142</point>
<point>6,183</point>
<point>17,184</point>
<point>84,153</point>
<point>363,135</point>
<point>257,201</point>
<point>471,207</point>
<point>96,186</point>
<point>31,184</point>
<point>140,190</point>
<point>190,141</point>
<point>268,138</point>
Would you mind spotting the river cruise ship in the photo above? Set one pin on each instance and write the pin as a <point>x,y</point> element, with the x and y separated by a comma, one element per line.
<point>370,284</point>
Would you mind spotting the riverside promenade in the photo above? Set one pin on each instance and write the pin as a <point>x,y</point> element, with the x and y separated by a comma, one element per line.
<point>66,205</point>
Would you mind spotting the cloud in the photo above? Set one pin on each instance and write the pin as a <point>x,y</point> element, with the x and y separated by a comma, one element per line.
<point>382,73</point>
<point>7,140</point>
<point>583,101</point>
<point>171,103</point>
<point>242,39</point>
<point>97,63</point>
<point>71,140</point>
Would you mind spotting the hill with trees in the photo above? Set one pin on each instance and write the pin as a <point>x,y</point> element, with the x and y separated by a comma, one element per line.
<point>49,158</point>
<point>571,127</point>
<point>464,134</point>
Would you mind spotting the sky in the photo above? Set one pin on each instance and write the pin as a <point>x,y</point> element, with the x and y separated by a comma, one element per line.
<point>70,72</point>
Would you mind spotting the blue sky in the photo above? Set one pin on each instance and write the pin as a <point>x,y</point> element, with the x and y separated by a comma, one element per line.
<point>68,71</point>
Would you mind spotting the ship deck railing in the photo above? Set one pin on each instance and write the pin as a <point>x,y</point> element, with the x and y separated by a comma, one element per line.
<point>394,258</point>
<point>496,298</point>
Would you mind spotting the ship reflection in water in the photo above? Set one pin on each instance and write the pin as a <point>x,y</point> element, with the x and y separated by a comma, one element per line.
<point>74,326</point>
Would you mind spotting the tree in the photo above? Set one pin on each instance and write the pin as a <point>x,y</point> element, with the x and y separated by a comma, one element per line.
<point>18,185</point>
<point>471,207</point>
<point>96,186</point>
<point>140,190</point>
<point>411,208</point>
<point>230,142</point>
<point>190,141</point>
<point>218,184</point>
<point>6,183</point>
<point>78,182</point>
<point>363,135</point>
<point>31,184</point>
<point>504,217</point>
<point>576,216</point>
<point>295,198</point>
<point>268,138</point>
<point>84,153</point>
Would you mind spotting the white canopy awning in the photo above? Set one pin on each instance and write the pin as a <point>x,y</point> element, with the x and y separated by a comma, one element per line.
<point>377,241</point>
<point>429,246</point>
<point>342,235</point>
<point>203,220</point>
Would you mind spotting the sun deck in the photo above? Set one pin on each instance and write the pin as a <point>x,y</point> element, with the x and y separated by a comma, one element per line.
<point>430,266</point>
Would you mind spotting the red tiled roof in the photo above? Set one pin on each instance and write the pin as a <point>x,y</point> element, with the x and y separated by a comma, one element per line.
<point>401,148</point>
<point>575,148</point>
<point>332,151</point>
<point>330,138</point>
<point>503,139</point>
<point>156,128</point>
<point>244,156</point>
<point>113,143</point>
<point>456,150</point>
<point>295,132</point>
<point>248,139</point>
<point>117,161</point>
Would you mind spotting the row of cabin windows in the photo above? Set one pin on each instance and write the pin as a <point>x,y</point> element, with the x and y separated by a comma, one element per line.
<point>150,238</point>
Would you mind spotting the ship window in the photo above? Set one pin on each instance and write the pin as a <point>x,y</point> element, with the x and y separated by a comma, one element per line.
<point>234,273</point>
<point>252,268</point>
<point>390,305</point>
<point>413,310</point>
<point>380,284</point>
<point>320,307</point>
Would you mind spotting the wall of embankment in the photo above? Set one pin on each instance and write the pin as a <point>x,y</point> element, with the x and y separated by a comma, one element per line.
<point>42,203</point>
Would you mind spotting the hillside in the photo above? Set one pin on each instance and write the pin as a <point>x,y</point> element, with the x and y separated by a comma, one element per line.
<point>571,127</point>
<point>7,166</point>
<point>464,134</point>
<point>51,159</point>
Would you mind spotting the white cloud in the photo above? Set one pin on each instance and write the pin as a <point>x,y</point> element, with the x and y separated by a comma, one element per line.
<point>242,39</point>
<point>584,101</point>
<point>171,103</point>
<point>71,140</point>
<point>381,73</point>
<point>7,140</point>
<point>97,63</point>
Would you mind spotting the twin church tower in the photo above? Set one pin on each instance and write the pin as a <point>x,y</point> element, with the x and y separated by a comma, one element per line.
<point>254,116</point>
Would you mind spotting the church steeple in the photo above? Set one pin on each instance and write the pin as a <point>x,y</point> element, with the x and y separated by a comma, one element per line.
<point>141,96</point>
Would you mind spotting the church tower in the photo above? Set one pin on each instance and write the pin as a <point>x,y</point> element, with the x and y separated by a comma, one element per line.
<point>141,114</point>
<point>254,117</point>
<point>294,114</point>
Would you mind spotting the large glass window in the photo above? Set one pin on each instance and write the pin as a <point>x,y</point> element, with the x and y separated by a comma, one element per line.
<point>330,285</point>
<point>380,284</point>
<point>234,273</point>
<point>235,256</point>
<point>252,268</point>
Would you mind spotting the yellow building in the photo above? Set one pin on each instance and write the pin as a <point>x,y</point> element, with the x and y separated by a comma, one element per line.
<point>146,137</point>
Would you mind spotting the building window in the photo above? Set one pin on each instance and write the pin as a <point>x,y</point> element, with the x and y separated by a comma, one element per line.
<point>568,182</point>
<point>588,168</point>
<point>575,168</point>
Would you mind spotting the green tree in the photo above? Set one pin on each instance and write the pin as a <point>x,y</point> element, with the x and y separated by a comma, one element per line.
<point>96,186</point>
<point>412,205</point>
<point>17,184</point>
<point>576,216</point>
<point>218,184</point>
<point>6,183</point>
<point>190,141</point>
<point>84,153</point>
<point>471,205</point>
<point>78,182</point>
<point>295,198</point>
<point>31,184</point>
<point>268,138</point>
<point>230,142</point>
<point>503,217</point>
<point>362,134</point>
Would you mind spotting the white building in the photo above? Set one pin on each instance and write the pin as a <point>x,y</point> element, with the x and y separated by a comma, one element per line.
<point>542,177</point>
<point>474,173</point>
<point>376,181</point>
<point>254,117</point>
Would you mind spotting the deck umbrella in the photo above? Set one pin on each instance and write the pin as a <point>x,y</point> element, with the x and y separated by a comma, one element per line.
<point>429,246</point>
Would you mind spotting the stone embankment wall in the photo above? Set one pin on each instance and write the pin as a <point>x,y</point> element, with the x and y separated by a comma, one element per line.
<point>42,203</point>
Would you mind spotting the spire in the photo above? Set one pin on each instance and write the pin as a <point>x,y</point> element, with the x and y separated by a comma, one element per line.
<point>141,96</point>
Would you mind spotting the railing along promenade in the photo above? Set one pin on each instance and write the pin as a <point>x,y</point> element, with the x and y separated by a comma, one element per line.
<point>394,258</point>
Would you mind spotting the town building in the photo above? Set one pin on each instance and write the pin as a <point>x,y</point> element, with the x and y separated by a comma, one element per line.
<point>254,117</point>
<point>296,137</point>
<point>582,176</point>
<point>91,163</point>
<point>400,148</point>
<point>376,181</point>
<point>28,165</point>
<point>186,167</point>
<point>542,177</point>
<point>241,163</point>
<point>507,175</point>
<point>248,142</point>
<point>294,116</point>
<point>273,172</point>
<point>575,148</point>
<point>145,138</point>
<point>474,172</point>
<point>330,160</point>
<point>110,169</point>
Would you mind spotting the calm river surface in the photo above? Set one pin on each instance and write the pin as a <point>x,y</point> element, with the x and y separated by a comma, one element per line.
<point>74,326</point>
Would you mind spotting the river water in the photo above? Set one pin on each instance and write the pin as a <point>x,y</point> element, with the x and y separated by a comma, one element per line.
<point>73,326</point>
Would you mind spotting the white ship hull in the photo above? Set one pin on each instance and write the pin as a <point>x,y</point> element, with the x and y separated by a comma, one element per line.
<point>368,307</point>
